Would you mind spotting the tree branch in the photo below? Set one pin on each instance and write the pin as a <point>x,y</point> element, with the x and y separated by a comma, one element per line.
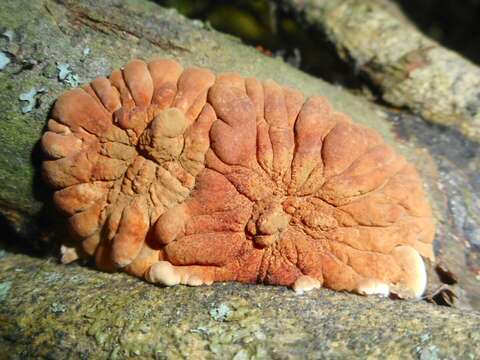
<point>410,69</point>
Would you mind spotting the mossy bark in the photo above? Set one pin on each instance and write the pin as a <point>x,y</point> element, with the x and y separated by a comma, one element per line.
<point>48,310</point>
<point>73,312</point>
<point>410,69</point>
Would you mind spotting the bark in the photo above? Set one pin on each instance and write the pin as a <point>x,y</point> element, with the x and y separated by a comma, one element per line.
<point>70,312</point>
<point>410,69</point>
<point>49,310</point>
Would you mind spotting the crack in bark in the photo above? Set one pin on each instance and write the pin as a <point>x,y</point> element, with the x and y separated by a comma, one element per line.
<point>84,17</point>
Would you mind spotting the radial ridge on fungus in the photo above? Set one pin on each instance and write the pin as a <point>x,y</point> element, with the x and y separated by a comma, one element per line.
<point>181,176</point>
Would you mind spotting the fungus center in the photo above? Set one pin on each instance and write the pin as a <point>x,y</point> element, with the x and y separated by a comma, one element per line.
<point>163,139</point>
<point>267,222</point>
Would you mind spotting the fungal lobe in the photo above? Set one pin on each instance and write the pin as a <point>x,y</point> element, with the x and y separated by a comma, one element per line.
<point>182,176</point>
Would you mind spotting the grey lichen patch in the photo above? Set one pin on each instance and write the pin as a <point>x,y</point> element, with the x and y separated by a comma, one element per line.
<point>429,353</point>
<point>63,71</point>
<point>4,60</point>
<point>86,52</point>
<point>30,99</point>
<point>67,76</point>
<point>9,35</point>
<point>4,289</point>
<point>51,277</point>
<point>221,312</point>
<point>58,308</point>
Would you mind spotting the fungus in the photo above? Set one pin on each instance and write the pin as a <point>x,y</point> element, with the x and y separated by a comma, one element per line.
<point>183,177</point>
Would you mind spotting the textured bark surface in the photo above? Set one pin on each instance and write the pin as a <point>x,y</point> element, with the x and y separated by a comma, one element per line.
<point>410,69</point>
<point>56,312</point>
<point>94,38</point>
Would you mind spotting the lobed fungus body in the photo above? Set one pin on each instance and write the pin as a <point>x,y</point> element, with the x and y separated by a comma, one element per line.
<point>179,176</point>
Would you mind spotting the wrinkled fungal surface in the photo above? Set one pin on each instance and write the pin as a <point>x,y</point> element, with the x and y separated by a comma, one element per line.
<point>181,176</point>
